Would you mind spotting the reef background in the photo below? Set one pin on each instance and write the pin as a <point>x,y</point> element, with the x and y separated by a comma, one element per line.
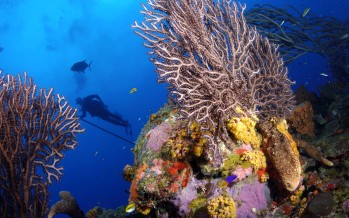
<point>45,39</point>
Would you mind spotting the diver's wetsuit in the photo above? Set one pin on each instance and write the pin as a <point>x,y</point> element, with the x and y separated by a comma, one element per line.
<point>94,105</point>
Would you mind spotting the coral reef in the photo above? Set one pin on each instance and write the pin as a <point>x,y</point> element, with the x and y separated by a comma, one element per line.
<point>208,71</point>
<point>158,181</point>
<point>35,130</point>
<point>224,141</point>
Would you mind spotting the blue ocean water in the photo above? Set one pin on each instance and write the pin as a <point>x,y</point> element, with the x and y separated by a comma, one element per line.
<point>45,38</point>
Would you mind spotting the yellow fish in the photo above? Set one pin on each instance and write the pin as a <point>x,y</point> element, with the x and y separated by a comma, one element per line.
<point>130,208</point>
<point>306,12</point>
<point>133,90</point>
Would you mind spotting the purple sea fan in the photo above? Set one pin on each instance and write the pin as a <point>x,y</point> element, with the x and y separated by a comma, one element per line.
<point>189,193</point>
<point>345,206</point>
<point>252,196</point>
<point>158,136</point>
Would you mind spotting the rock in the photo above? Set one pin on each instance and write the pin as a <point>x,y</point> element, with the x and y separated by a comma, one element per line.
<point>321,205</point>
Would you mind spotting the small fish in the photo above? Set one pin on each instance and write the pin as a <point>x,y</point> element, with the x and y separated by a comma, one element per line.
<point>81,66</point>
<point>96,153</point>
<point>344,36</point>
<point>323,74</point>
<point>133,90</point>
<point>1,49</point>
<point>282,23</point>
<point>306,12</point>
<point>130,208</point>
<point>240,151</point>
<point>123,147</point>
<point>230,179</point>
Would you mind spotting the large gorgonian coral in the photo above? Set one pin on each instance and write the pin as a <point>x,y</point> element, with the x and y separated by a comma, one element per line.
<point>214,63</point>
<point>35,130</point>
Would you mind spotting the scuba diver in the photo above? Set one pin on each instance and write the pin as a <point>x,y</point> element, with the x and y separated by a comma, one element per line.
<point>94,105</point>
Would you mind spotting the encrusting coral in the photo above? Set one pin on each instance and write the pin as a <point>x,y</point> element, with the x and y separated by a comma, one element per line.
<point>244,129</point>
<point>156,181</point>
<point>258,163</point>
<point>222,206</point>
<point>301,119</point>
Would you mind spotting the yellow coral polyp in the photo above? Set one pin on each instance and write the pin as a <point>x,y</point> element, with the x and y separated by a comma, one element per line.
<point>143,210</point>
<point>198,150</point>
<point>178,150</point>
<point>295,198</point>
<point>195,130</point>
<point>221,206</point>
<point>256,158</point>
<point>199,147</point>
<point>244,129</point>
<point>264,177</point>
<point>283,128</point>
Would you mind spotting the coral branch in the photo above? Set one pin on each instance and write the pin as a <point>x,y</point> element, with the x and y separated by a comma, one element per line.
<point>35,129</point>
<point>214,62</point>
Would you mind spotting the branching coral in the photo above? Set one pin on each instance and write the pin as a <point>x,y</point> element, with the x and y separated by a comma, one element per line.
<point>214,63</point>
<point>297,35</point>
<point>35,129</point>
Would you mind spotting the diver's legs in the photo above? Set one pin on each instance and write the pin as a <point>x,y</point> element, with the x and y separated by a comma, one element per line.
<point>117,120</point>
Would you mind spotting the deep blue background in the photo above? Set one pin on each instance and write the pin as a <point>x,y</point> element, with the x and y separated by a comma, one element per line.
<point>45,38</point>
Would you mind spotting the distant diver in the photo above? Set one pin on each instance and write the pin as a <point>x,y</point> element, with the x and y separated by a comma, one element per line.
<point>94,105</point>
<point>81,66</point>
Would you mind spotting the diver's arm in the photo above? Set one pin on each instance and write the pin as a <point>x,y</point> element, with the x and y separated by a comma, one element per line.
<point>83,113</point>
<point>95,96</point>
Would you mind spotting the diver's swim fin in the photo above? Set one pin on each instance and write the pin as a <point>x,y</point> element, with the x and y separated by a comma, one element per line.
<point>89,66</point>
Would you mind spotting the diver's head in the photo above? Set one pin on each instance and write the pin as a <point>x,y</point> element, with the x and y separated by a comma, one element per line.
<point>78,100</point>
